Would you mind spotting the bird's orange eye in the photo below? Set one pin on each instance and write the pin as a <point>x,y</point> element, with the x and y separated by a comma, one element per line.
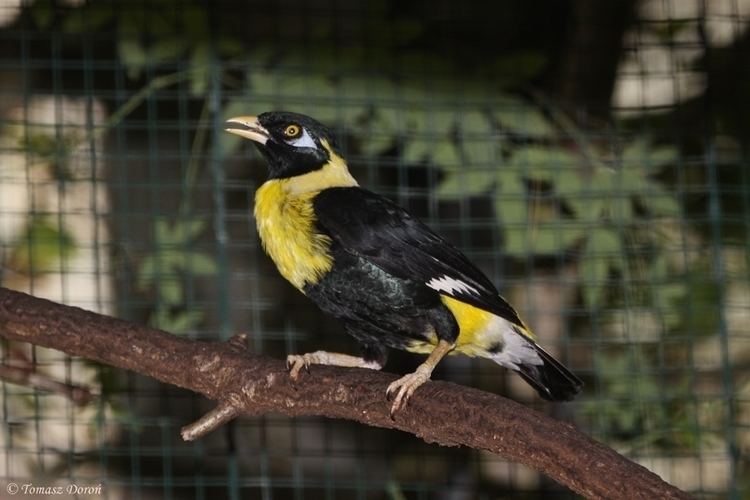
<point>292,131</point>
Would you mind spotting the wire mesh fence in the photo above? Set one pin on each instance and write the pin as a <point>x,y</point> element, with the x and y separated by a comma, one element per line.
<point>591,160</point>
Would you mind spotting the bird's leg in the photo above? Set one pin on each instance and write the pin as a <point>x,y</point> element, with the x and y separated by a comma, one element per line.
<point>295,362</point>
<point>407,384</point>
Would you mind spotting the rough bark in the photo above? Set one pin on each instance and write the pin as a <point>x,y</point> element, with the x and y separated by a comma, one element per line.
<point>244,383</point>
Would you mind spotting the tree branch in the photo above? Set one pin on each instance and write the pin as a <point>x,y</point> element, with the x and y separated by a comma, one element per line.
<point>248,384</point>
<point>27,376</point>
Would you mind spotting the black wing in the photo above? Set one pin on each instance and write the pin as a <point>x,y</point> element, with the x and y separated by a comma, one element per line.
<point>380,231</point>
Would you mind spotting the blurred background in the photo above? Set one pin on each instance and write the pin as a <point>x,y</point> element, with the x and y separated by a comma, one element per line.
<point>591,157</point>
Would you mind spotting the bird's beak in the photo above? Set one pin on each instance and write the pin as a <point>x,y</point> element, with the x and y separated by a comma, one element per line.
<point>249,128</point>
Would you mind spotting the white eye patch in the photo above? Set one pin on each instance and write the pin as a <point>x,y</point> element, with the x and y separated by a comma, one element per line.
<point>303,141</point>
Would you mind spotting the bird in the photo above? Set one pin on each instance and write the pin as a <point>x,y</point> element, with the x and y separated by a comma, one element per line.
<point>390,280</point>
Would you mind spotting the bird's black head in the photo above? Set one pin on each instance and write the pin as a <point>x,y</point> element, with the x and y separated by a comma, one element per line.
<point>293,144</point>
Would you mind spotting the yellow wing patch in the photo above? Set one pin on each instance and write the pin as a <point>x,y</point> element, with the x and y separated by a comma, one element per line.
<point>472,323</point>
<point>475,333</point>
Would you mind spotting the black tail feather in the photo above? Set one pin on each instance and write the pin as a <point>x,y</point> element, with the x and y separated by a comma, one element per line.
<point>551,379</point>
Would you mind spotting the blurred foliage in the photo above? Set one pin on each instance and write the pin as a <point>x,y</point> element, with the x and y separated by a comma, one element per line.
<point>624,379</point>
<point>150,34</point>
<point>663,416</point>
<point>42,248</point>
<point>165,270</point>
<point>553,197</point>
<point>51,150</point>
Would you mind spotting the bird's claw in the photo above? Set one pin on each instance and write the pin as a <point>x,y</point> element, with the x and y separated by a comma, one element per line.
<point>404,388</point>
<point>295,362</point>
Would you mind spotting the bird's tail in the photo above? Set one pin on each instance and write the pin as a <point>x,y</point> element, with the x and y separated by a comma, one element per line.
<point>551,379</point>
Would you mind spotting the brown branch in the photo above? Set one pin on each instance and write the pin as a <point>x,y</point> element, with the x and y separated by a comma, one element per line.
<point>29,377</point>
<point>245,383</point>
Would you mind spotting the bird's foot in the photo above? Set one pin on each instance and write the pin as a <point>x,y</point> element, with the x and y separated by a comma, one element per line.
<point>406,385</point>
<point>295,363</point>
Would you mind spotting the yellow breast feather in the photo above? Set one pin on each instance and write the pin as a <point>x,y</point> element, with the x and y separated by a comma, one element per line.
<point>285,219</point>
<point>286,225</point>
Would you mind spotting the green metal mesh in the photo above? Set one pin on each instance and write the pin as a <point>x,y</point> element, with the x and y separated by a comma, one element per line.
<point>618,225</point>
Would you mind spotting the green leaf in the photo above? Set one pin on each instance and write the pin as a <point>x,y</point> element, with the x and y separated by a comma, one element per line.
<point>603,251</point>
<point>417,151</point>
<point>608,180</point>
<point>163,232</point>
<point>593,193</point>
<point>522,118</point>
<point>376,134</point>
<point>199,264</point>
<point>661,156</point>
<point>594,271</point>
<point>639,152</point>
<point>182,322</point>
<point>230,47</point>
<point>132,55</point>
<point>169,290</point>
<point>42,248</point>
<point>552,164</point>
<point>620,210</point>
<point>480,154</point>
<point>166,49</point>
<point>668,295</point>
<point>146,273</point>
<point>626,387</point>
<point>521,235</point>
<point>47,145</point>
<point>511,201</point>
<point>547,238</point>
<point>630,180</point>
<point>185,231</point>
<point>467,183</point>
<point>446,156</point>
<point>351,114</point>
<point>477,140</point>
<point>639,162</point>
<point>158,266</point>
<point>659,268</point>
<point>177,234</point>
<point>199,68</point>
<point>415,121</point>
<point>161,319</point>
<point>587,208</point>
<point>660,202</point>
<point>442,122</point>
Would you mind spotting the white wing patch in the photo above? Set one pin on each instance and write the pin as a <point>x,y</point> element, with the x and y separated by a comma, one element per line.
<point>304,141</point>
<point>450,285</point>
